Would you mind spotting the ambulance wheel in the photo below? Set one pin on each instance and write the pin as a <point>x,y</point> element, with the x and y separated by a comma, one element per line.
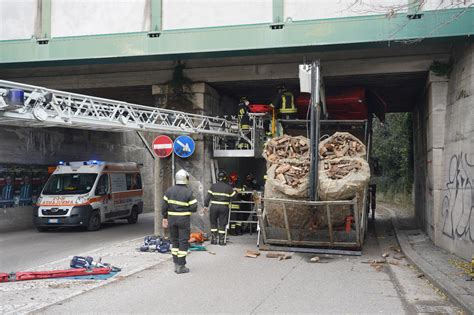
<point>94,221</point>
<point>133,218</point>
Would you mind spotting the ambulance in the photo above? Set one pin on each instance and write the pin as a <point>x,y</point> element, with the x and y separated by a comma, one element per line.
<point>88,193</point>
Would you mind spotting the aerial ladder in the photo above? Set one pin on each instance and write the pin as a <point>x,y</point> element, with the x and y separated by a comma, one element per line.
<point>33,106</point>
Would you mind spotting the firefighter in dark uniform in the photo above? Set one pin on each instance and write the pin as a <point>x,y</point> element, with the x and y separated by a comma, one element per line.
<point>178,204</point>
<point>234,206</point>
<point>284,103</point>
<point>244,122</point>
<point>219,197</point>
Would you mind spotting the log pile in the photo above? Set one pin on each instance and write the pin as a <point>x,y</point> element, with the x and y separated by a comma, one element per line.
<point>286,147</point>
<point>337,169</point>
<point>291,157</point>
<point>339,145</point>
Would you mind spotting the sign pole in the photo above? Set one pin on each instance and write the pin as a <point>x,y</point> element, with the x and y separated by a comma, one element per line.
<point>172,169</point>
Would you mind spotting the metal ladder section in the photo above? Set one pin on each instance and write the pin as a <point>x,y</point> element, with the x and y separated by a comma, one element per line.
<point>43,107</point>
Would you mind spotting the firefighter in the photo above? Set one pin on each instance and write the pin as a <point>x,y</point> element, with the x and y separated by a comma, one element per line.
<point>251,182</point>
<point>178,204</point>
<point>284,103</point>
<point>243,114</point>
<point>244,122</point>
<point>235,206</point>
<point>219,197</point>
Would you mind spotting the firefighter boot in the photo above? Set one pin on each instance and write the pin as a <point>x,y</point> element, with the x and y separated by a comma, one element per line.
<point>176,267</point>
<point>214,238</point>
<point>222,239</point>
<point>182,269</point>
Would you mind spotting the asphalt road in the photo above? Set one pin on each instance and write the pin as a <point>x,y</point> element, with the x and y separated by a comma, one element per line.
<point>28,248</point>
<point>228,282</point>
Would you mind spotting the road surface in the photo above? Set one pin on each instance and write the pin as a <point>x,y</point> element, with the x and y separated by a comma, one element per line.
<point>28,248</point>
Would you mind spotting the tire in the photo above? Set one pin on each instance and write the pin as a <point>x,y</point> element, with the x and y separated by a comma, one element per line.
<point>133,217</point>
<point>41,229</point>
<point>94,221</point>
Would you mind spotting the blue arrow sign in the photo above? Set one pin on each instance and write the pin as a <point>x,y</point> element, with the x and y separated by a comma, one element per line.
<point>184,146</point>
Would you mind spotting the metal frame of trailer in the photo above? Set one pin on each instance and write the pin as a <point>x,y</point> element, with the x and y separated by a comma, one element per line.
<point>326,241</point>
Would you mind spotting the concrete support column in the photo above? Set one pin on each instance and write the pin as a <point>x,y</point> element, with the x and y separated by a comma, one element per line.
<point>196,98</point>
<point>437,100</point>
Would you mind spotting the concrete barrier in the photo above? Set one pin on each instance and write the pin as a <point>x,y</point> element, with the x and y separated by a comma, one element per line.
<point>16,218</point>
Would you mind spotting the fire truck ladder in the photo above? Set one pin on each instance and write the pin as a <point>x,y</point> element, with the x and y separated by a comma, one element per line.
<point>33,106</point>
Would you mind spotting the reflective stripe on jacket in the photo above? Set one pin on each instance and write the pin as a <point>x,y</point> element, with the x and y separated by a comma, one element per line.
<point>178,200</point>
<point>220,193</point>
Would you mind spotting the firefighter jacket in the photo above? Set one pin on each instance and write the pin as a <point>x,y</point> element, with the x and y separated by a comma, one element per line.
<point>244,119</point>
<point>285,103</point>
<point>220,193</point>
<point>178,201</point>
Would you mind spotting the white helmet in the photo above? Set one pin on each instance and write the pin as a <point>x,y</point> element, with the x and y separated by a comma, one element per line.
<point>182,177</point>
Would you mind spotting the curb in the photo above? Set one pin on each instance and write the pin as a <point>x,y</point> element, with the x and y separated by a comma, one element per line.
<point>454,292</point>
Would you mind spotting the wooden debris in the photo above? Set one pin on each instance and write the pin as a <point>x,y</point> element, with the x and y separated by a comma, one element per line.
<point>291,156</point>
<point>285,257</point>
<point>341,168</point>
<point>280,256</point>
<point>212,253</point>
<point>339,146</point>
<point>315,259</point>
<point>252,253</point>
<point>394,262</point>
<point>398,257</point>
<point>385,255</point>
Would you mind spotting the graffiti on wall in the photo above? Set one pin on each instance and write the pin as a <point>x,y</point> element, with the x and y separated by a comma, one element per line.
<point>458,202</point>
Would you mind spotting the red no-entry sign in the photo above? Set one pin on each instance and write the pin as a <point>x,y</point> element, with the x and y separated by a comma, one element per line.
<point>162,146</point>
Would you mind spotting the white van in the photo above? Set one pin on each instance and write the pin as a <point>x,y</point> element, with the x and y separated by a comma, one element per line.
<point>89,193</point>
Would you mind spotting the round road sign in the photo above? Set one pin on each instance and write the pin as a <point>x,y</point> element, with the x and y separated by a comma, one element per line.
<point>162,146</point>
<point>184,146</point>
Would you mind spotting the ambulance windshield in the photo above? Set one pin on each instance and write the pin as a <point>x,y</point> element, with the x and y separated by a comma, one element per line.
<point>69,184</point>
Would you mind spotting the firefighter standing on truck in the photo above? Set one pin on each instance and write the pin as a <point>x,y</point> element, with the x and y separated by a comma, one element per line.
<point>244,122</point>
<point>284,103</point>
<point>178,204</point>
<point>219,197</point>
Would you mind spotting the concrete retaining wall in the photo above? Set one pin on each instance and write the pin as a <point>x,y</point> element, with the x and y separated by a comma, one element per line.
<point>454,206</point>
<point>444,156</point>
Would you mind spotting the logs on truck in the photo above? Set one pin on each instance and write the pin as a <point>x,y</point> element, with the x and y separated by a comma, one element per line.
<point>343,174</point>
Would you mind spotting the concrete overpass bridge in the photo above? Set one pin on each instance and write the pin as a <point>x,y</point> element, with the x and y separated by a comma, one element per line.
<point>417,54</point>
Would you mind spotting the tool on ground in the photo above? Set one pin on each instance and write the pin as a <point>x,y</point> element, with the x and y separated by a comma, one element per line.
<point>89,263</point>
<point>153,243</point>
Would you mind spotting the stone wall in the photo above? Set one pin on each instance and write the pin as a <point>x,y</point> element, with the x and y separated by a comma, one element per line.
<point>444,156</point>
<point>454,208</point>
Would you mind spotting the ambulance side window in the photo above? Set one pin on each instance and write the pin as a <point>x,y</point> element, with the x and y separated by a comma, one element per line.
<point>134,181</point>
<point>102,185</point>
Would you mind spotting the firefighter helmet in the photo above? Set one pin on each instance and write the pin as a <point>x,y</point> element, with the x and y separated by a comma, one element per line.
<point>222,176</point>
<point>182,177</point>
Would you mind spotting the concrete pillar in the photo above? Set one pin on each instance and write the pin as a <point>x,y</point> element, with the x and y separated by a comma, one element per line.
<point>437,100</point>
<point>196,98</point>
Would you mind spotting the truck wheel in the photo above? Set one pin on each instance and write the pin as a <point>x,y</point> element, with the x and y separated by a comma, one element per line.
<point>94,221</point>
<point>133,218</point>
